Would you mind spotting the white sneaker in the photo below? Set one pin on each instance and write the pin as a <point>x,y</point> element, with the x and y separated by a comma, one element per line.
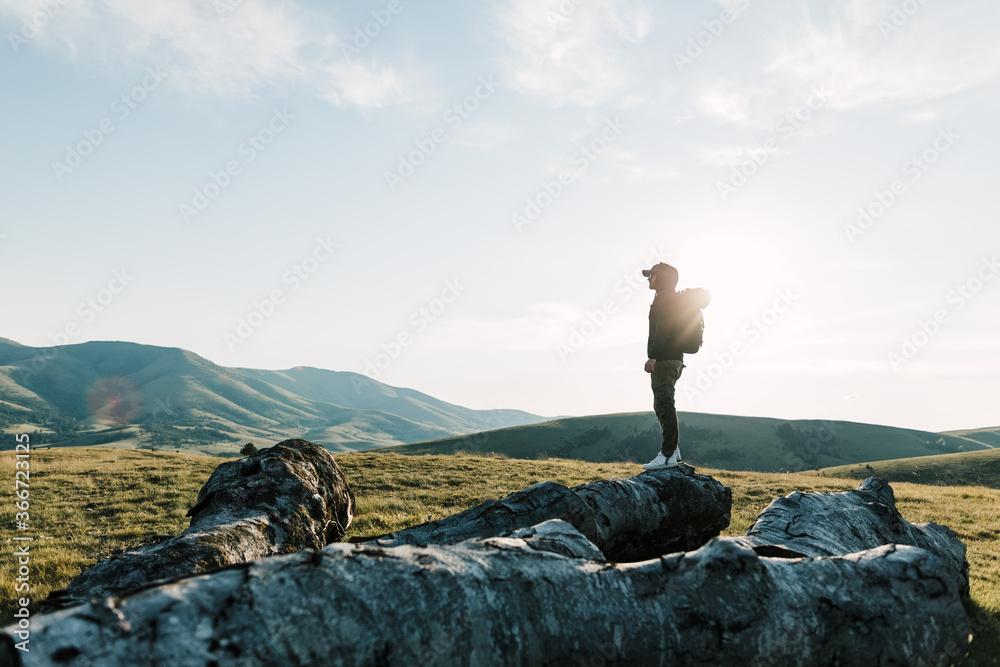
<point>661,462</point>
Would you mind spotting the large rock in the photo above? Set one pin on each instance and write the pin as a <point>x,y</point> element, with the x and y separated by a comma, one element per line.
<point>288,497</point>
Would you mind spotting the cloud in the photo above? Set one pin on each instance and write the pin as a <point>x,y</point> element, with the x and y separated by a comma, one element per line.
<point>570,51</point>
<point>932,54</point>
<point>366,85</point>
<point>227,48</point>
<point>779,52</point>
<point>724,102</point>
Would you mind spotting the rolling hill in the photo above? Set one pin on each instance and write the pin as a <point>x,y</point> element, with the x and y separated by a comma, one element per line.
<point>963,469</point>
<point>987,436</point>
<point>718,441</point>
<point>127,395</point>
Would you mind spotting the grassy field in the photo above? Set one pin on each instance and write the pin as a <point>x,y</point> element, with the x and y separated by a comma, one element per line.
<point>85,503</point>
<point>963,469</point>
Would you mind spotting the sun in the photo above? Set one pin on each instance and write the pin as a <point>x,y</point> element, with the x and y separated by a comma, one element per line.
<point>741,272</point>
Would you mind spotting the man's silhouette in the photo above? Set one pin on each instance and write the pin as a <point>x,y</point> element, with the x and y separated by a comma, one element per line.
<point>665,358</point>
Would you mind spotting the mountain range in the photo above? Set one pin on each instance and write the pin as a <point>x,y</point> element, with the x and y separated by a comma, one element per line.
<point>127,394</point>
<point>120,394</point>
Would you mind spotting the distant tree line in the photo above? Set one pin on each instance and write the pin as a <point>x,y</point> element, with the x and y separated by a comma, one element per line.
<point>56,427</point>
<point>809,443</point>
<point>570,447</point>
<point>164,436</point>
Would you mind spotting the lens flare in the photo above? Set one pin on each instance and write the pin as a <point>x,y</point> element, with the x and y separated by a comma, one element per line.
<point>114,399</point>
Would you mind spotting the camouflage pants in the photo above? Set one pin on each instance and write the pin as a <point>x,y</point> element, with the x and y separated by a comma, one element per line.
<point>665,376</point>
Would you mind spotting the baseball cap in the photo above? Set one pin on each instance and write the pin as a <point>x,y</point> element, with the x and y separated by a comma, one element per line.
<point>658,268</point>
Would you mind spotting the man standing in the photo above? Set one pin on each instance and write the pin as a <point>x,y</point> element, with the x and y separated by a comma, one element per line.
<point>669,316</point>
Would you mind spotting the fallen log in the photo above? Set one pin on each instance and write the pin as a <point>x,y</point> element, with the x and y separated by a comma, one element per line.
<point>657,512</point>
<point>521,509</point>
<point>288,497</point>
<point>835,524</point>
<point>641,517</point>
<point>542,596</point>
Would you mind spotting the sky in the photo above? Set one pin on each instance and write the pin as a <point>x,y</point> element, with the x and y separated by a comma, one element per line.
<point>459,197</point>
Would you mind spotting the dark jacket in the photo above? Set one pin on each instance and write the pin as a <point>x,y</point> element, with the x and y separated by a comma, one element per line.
<point>662,343</point>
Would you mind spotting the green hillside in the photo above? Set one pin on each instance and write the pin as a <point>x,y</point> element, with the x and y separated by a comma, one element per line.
<point>170,398</point>
<point>716,441</point>
<point>965,469</point>
<point>987,436</point>
<point>87,503</point>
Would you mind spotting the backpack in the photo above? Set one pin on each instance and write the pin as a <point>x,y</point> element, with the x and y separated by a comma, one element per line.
<point>690,329</point>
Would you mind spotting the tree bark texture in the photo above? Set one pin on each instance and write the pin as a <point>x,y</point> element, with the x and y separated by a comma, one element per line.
<point>641,517</point>
<point>541,596</point>
<point>283,499</point>
<point>836,524</point>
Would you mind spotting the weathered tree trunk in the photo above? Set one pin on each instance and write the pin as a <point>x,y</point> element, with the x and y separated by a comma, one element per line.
<point>835,524</point>
<point>288,497</point>
<point>521,509</point>
<point>542,596</point>
<point>842,590</point>
<point>657,512</point>
<point>630,519</point>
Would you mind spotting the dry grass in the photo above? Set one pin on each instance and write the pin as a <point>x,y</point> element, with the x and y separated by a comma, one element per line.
<point>88,502</point>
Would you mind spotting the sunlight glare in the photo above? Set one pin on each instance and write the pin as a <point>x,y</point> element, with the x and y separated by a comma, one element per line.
<point>741,273</point>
